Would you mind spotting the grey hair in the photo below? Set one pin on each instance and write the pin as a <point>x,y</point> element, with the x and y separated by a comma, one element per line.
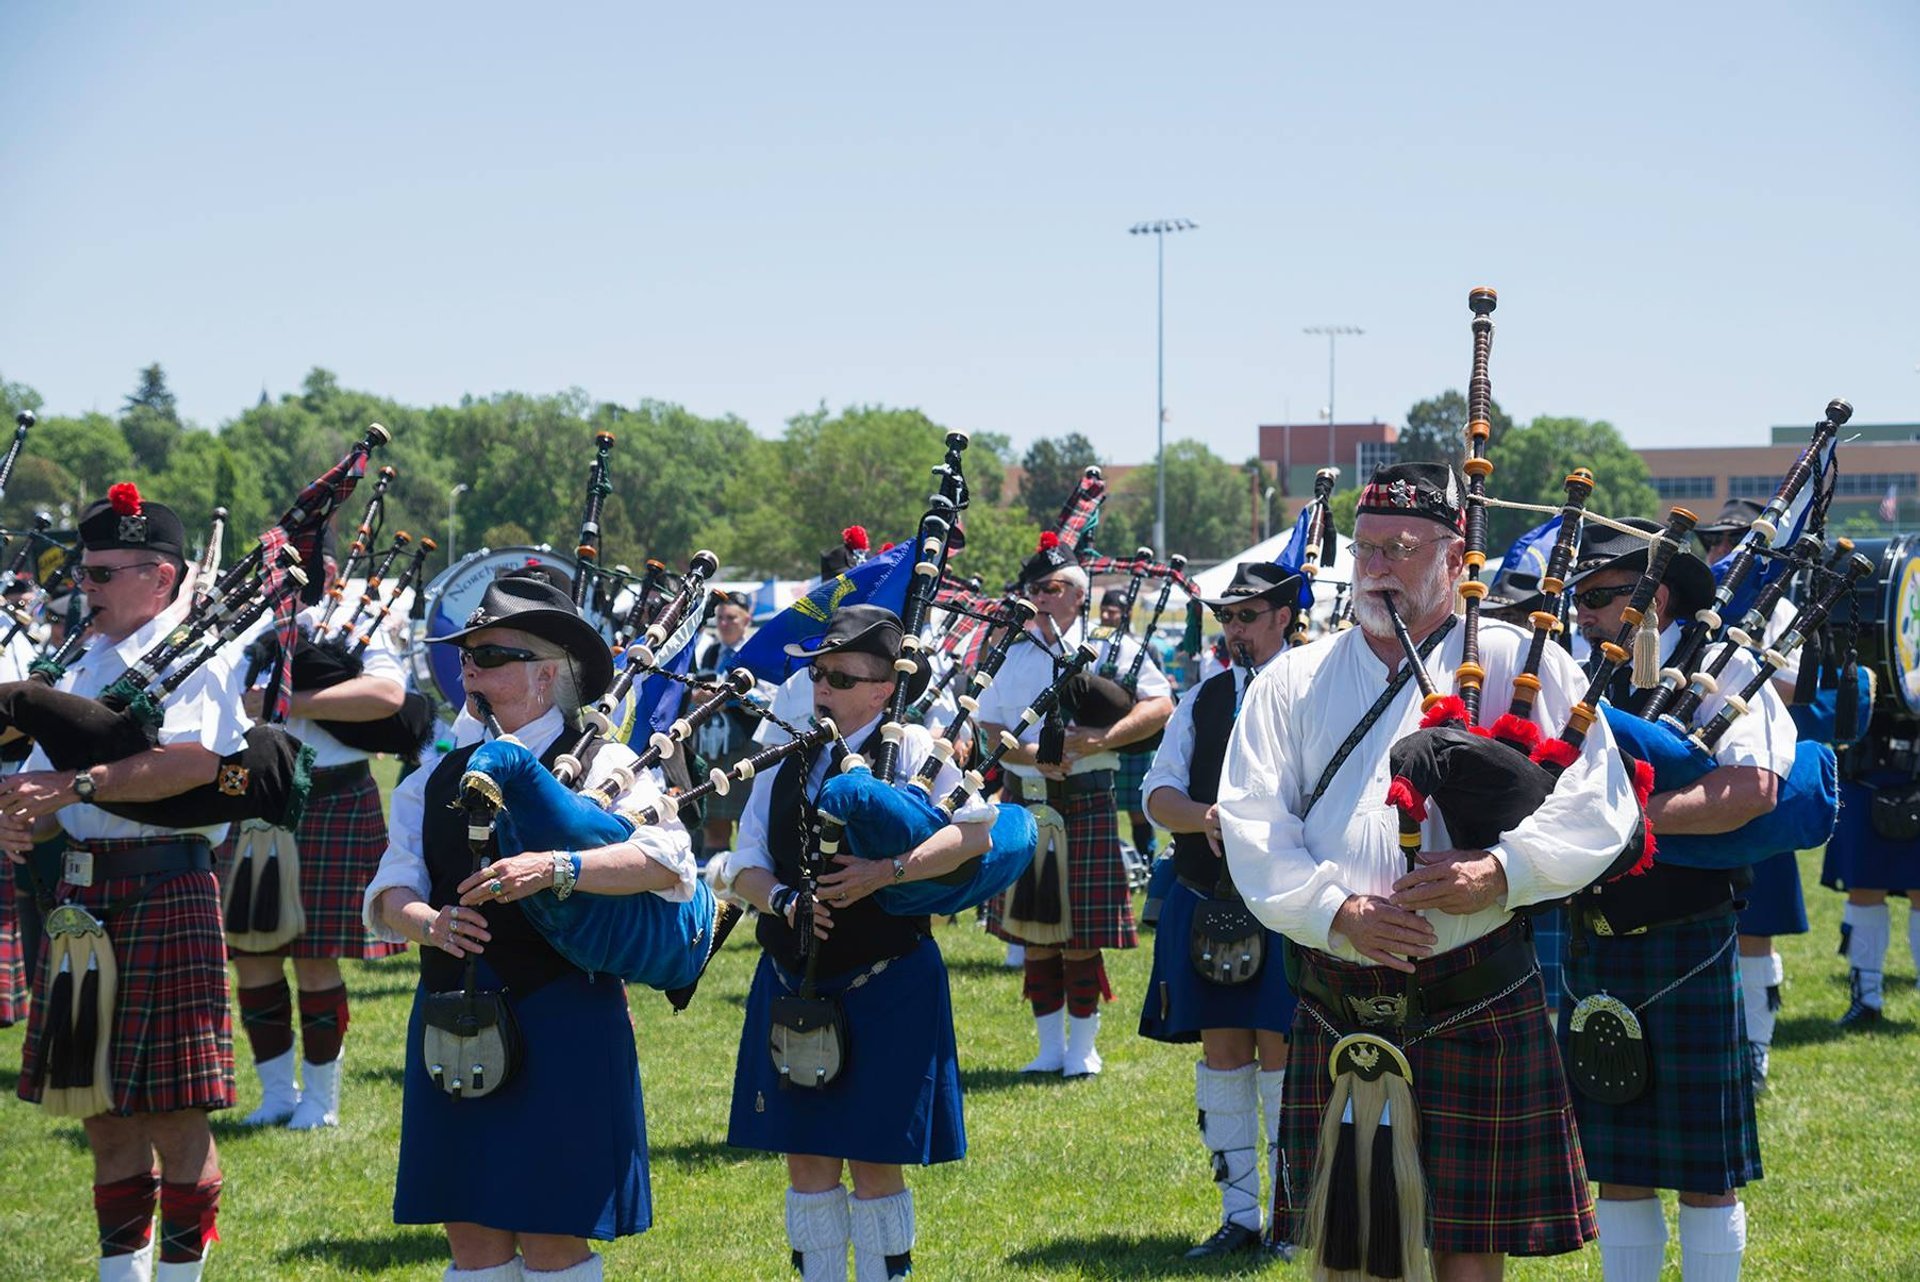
<point>566,686</point>
<point>1075,575</point>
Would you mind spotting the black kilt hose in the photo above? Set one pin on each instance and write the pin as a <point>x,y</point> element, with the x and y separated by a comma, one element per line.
<point>171,1042</point>
<point>1497,1138</point>
<point>341,838</point>
<point>1693,1128</point>
<point>1098,897</point>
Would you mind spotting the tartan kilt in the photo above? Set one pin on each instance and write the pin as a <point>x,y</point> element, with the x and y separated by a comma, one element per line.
<point>1497,1138</point>
<point>1128,778</point>
<point>341,838</point>
<point>13,966</point>
<point>1098,896</point>
<point>1693,1129</point>
<point>171,1042</point>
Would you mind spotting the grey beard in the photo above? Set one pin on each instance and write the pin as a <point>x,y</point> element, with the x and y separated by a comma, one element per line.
<point>1370,612</point>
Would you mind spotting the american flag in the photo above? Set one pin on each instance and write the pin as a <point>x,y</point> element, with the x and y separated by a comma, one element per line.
<point>1890,505</point>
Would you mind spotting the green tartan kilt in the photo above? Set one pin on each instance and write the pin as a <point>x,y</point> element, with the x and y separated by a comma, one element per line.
<point>1693,1129</point>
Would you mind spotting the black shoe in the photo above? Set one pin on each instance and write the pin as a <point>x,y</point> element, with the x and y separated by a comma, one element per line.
<point>1228,1239</point>
<point>1859,1016</point>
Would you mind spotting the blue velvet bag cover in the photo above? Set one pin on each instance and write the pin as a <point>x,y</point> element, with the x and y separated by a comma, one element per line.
<point>883,821</point>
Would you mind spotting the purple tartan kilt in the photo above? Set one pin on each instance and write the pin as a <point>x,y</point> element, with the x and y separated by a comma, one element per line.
<point>341,838</point>
<point>172,1035</point>
<point>13,968</point>
<point>1776,904</point>
<point>1497,1138</point>
<point>1694,1129</point>
<point>1098,895</point>
<point>1179,1003</point>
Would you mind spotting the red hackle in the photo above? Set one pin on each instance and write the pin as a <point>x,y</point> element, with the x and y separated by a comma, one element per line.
<point>1404,797</point>
<point>854,537</point>
<point>1555,754</point>
<point>1451,709</point>
<point>1518,731</point>
<point>1642,789</point>
<point>1049,540</point>
<point>125,498</point>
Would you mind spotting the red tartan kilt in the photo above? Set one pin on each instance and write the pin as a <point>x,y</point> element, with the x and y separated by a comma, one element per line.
<point>13,968</point>
<point>1502,1157</point>
<point>172,1035</point>
<point>341,839</point>
<point>1098,895</point>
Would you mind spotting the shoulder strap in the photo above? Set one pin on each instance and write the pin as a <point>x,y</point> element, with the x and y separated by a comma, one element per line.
<point>1379,708</point>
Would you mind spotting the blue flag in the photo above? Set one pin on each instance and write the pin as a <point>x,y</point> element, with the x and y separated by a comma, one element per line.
<point>1792,525</point>
<point>1294,555</point>
<point>881,580</point>
<point>1530,551</point>
<point>657,701</point>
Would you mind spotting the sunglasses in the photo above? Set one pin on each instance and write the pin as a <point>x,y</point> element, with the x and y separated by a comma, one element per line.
<point>495,656</point>
<point>1601,598</point>
<point>105,573</point>
<point>844,680</point>
<point>1049,589</point>
<point>1245,616</point>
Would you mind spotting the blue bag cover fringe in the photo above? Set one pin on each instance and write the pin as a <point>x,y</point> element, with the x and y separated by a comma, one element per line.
<point>642,938</point>
<point>1802,818</point>
<point>883,821</point>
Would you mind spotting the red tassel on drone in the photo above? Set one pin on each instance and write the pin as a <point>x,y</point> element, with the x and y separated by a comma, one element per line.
<point>1518,731</point>
<point>1451,709</point>
<point>1404,797</point>
<point>1556,754</point>
<point>854,537</point>
<point>125,498</point>
<point>1049,540</point>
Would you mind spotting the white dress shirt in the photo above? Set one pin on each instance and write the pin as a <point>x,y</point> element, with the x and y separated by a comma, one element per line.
<point>204,710</point>
<point>1028,670</point>
<point>404,864</point>
<point>1295,874</point>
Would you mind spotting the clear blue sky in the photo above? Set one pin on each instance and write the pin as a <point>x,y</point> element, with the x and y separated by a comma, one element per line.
<point>1701,218</point>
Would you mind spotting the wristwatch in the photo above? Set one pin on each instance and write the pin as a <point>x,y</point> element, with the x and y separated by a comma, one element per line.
<point>899,869</point>
<point>83,787</point>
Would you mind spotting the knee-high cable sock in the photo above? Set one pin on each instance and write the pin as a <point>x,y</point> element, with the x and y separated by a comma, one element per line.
<point>266,1012</point>
<point>882,1230</point>
<point>124,1209</point>
<point>1867,949</point>
<point>1229,1126</point>
<point>1712,1241</point>
<point>323,1024</point>
<point>1633,1239</point>
<point>817,1231</point>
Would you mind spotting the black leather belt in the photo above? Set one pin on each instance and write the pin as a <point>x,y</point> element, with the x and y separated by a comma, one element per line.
<point>333,778</point>
<point>1071,786</point>
<point>1507,963</point>
<point>173,854</point>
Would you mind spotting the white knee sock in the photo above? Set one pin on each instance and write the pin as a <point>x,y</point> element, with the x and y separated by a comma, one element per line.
<point>511,1271</point>
<point>1867,951</point>
<point>1633,1239</point>
<point>1712,1240</point>
<point>882,1237</point>
<point>1272,1094</point>
<point>1757,975</point>
<point>817,1231</point>
<point>588,1270</point>
<point>1229,1119</point>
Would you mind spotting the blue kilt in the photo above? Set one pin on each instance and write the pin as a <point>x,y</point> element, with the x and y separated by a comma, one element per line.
<point>1180,1003</point>
<point>1549,946</point>
<point>1857,857</point>
<point>1693,1128</point>
<point>561,1148</point>
<point>1775,903</point>
<point>897,1099</point>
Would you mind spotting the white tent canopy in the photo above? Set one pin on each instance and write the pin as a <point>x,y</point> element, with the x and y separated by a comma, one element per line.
<point>1211,583</point>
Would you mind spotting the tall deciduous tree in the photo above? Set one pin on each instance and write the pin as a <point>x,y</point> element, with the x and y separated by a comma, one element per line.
<point>1436,429</point>
<point>1531,465</point>
<point>1209,502</point>
<point>1052,466</point>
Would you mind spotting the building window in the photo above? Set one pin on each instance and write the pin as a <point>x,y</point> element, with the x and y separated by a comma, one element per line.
<point>1371,455</point>
<point>1874,485</point>
<point>1674,488</point>
<point>1752,487</point>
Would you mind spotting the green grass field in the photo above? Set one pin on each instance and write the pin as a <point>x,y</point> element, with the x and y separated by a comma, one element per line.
<point>1102,1178</point>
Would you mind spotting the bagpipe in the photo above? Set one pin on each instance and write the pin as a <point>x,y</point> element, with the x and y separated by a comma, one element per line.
<point>22,424</point>
<point>268,778</point>
<point>1100,697</point>
<point>642,938</point>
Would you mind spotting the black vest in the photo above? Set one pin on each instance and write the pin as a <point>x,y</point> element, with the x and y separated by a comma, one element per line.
<point>1193,859</point>
<point>863,933</point>
<point>518,953</point>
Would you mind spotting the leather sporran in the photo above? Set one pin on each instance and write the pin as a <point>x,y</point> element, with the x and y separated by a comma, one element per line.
<point>1227,944</point>
<point>471,1042</point>
<point>1607,1050</point>
<point>808,1040</point>
<point>261,890</point>
<point>1037,910</point>
<point>1896,812</point>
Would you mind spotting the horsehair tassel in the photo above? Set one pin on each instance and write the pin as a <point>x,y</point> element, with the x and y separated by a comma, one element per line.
<point>1646,650</point>
<point>1470,676</point>
<point>1694,639</point>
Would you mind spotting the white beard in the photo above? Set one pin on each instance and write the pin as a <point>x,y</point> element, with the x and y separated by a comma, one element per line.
<point>1418,602</point>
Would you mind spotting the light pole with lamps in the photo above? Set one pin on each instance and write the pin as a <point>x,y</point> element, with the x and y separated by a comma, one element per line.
<point>453,494</point>
<point>1159,229</point>
<point>1333,333</point>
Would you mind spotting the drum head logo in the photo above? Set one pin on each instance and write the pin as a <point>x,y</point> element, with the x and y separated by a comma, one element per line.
<point>1906,622</point>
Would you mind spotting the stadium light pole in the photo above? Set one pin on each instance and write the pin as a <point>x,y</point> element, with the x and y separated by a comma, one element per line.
<point>1333,333</point>
<point>452,495</point>
<point>1160,229</point>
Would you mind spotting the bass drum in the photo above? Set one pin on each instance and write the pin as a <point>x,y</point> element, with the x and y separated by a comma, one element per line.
<point>1887,607</point>
<point>454,594</point>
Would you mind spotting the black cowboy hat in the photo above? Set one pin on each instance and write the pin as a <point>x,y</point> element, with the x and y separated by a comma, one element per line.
<point>1736,515</point>
<point>1273,581</point>
<point>866,629</point>
<point>1689,579</point>
<point>540,609</point>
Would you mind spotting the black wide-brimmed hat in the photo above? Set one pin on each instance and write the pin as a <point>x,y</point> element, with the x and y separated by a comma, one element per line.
<point>1689,580</point>
<point>124,520</point>
<point>539,609</point>
<point>1429,490</point>
<point>855,629</point>
<point>1273,581</point>
<point>1736,516</point>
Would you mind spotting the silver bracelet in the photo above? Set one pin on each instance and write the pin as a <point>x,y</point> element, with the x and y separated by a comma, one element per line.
<point>563,874</point>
